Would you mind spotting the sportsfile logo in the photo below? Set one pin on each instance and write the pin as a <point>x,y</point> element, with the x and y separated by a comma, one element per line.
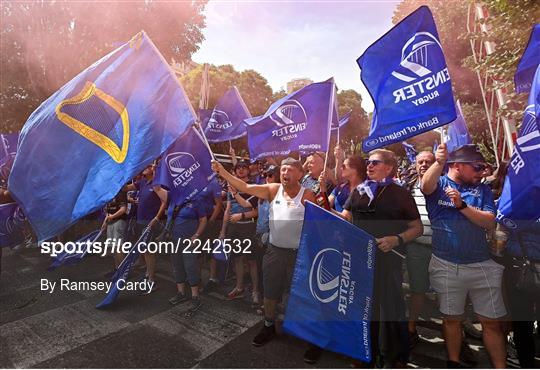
<point>330,278</point>
<point>219,121</point>
<point>291,118</point>
<point>181,167</point>
<point>422,62</point>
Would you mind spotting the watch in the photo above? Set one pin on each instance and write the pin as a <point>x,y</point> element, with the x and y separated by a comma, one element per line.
<point>400,240</point>
<point>462,206</point>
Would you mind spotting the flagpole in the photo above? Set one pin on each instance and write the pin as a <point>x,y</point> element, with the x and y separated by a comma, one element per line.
<point>198,126</point>
<point>4,145</point>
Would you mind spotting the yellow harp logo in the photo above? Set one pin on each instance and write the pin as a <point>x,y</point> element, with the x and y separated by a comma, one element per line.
<point>117,154</point>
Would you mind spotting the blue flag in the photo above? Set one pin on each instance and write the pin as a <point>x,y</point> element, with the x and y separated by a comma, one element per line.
<point>331,293</point>
<point>227,119</point>
<point>121,274</point>
<point>518,204</point>
<point>457,133</point>
<point>528,62</point>
<point>204,116</point>
<point>11,233</point>
<point>185,168</point>
<point>342,121</point>
<point>410,151</point>
<point>299,121</point>
<point>68,257</point>
<point>406,75</point>
<point>96,133</point>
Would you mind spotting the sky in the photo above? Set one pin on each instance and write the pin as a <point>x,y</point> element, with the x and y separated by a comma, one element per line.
<point>283,40</point>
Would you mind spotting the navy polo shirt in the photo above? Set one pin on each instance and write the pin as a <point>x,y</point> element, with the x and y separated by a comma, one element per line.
<point>149,202</point>
<point>206,198</point>
<point>456,239</point>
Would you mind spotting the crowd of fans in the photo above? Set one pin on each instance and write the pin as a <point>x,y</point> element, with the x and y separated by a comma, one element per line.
<point>436,217</point>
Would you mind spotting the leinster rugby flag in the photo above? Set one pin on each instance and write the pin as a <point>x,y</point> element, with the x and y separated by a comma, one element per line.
<point>330,300</point>
<point>95,134</point>
<point>120,277</point>
<point>528,63</point>
<point>407,77</point>
<point>185,168</point>
<point>227,119</point>
<point>297,122</point>
<point>518,205</point>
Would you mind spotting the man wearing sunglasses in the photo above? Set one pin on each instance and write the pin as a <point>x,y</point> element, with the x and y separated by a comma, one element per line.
<point>461,209</point>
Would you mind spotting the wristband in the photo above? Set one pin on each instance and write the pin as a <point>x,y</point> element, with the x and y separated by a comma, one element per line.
<point>462,206</point>
<point>400,240</point>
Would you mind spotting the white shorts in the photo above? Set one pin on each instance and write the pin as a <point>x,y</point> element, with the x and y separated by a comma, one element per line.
<point>481,281</point>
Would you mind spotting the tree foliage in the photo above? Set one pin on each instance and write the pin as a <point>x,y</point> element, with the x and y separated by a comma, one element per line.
<point>45,44</point>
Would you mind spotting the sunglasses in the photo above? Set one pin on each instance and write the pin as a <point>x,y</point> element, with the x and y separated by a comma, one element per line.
<point>478,167</point>
<point>373,162</point>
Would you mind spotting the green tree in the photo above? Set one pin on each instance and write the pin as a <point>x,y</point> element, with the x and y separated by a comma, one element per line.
<point>45,44</point>
<point>358,126</point>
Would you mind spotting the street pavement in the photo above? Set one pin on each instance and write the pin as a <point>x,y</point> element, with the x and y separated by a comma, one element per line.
<point>64,330</point>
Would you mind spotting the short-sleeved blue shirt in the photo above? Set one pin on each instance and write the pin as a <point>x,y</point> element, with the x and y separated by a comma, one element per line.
<point>456,239</point>
<point>206,198</point>
<point>341,193</point>
<point>149,202</point>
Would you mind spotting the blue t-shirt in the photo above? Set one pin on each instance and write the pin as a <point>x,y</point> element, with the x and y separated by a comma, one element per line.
<point>237,208</point>
<point>206,198</point>
<point>263,220</point>
<point>456,239</point>
<point>530,237</point>
<point>149,202</point>
<point>341,193</point>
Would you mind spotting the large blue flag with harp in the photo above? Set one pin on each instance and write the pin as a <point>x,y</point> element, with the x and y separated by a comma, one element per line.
<point>332,285</point>
<point>406,75</point>
<point>518,205</point>
<point>528,63</point>
<point>185,169</point>
<point>227,119</point>
<point>95,133</point>
<point>300,121</point>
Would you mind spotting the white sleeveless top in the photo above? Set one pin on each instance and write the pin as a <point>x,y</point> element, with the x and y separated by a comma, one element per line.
<point>286,219</point>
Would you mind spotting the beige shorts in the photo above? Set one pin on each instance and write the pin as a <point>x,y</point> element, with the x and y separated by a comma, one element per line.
<point>481,281</point>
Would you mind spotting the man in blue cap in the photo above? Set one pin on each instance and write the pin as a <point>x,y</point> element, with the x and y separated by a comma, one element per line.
<point>461,209</point>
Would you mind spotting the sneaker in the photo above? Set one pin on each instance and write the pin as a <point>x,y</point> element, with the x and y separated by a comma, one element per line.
<point>466,354</point>
<point>414,338</point>
<point>471,331</point>
<point>312,354</point>
<point>210,286</point>
<point>195,304</point>
<point>235,294</point>
<point>178,298</point>
<point>453,365</point>
<point>266,334</point>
